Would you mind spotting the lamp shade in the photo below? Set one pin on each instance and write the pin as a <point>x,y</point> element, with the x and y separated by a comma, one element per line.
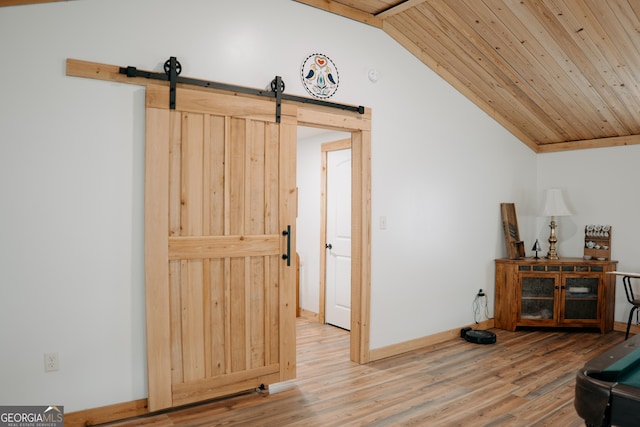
<point>554,204</point>
<point>536,246</point>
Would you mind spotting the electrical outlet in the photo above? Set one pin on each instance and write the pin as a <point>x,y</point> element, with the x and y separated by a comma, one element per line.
<point>51,362</point>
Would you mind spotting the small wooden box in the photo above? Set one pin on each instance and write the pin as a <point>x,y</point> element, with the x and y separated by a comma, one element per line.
<point>601,238</point>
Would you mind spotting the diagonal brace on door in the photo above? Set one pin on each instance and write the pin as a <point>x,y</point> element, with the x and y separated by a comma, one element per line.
<point>173,68</point>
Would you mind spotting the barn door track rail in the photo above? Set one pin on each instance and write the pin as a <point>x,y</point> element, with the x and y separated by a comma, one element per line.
<point>173,68</point>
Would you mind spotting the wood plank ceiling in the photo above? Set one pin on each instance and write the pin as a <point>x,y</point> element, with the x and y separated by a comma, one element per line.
<point>558,74</point>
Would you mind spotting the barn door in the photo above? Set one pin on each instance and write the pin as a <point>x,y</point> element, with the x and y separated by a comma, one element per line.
<point>220,298</point>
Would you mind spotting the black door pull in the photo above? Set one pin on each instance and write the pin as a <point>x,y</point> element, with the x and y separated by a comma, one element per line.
<point>287,256</point>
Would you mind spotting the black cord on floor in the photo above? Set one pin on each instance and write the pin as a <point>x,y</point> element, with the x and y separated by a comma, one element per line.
<point>480,304</point>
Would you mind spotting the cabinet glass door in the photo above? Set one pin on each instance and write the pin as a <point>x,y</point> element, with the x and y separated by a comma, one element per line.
<point>580,298</point>
<point>537,296</point>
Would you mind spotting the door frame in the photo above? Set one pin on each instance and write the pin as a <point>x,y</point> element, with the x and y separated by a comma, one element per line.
<point>341,144</point>
<point>359,125</point>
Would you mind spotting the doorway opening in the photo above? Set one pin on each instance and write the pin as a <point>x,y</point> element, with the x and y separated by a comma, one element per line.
<point>357,127</point>
<point>314,144</point>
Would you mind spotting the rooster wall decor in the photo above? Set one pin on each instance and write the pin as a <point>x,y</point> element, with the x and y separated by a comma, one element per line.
<point>319,76</point>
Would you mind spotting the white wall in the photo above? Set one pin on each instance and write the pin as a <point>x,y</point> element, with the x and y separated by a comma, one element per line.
<point>601,186</point>
<point>71,178</point>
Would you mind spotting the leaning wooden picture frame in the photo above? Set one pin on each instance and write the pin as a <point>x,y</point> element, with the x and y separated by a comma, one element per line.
<point>515,247</point>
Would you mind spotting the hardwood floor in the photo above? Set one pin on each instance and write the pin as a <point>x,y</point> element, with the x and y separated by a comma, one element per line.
<point>525,379</point>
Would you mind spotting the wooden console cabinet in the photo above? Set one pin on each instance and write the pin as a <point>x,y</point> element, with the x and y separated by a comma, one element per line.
<point>567,292</point>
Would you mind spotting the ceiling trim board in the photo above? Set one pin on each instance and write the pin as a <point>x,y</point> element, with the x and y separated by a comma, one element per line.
<point>399,8</point>
<point>614,141</point>
<point>4,3</point>
<point>345,11</point>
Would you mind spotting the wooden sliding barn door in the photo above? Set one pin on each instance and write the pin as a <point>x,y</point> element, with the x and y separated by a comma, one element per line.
<point>220,298</point>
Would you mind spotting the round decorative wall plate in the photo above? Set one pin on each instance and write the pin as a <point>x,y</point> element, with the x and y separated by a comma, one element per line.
<point>319,76</point>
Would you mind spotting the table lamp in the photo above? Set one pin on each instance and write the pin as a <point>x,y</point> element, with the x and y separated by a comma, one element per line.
<point>536,248</point>
<point>554,205</point>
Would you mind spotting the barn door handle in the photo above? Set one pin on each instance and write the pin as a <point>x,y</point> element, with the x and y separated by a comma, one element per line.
<point>287,256</point>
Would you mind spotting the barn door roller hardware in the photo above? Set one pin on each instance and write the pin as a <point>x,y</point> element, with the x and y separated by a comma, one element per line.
<point>173,68</point>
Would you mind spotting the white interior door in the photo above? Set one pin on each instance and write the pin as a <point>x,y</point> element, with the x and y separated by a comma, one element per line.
<point>338,238</point>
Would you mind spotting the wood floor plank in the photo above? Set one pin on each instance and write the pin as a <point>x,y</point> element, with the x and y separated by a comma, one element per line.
<point>526,378</point>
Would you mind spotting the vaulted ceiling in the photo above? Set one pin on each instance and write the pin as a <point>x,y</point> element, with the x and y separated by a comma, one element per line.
<point>558,74</point>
